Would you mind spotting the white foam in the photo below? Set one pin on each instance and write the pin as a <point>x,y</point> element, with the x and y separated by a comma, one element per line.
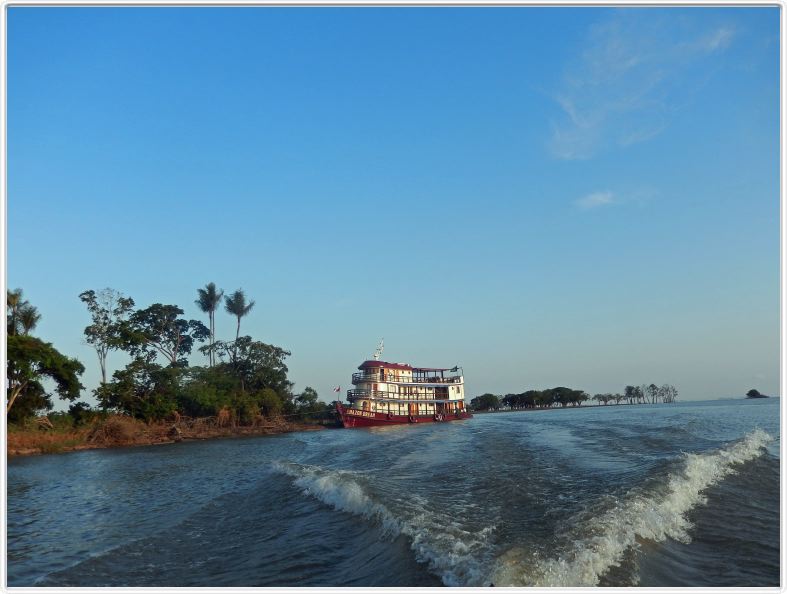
<point>451,552</point>
<point>653,516</point>
<point>341,491</point>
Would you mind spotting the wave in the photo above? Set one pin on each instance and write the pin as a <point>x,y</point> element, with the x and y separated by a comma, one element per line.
<point>451,552</point>
<point>653,515</point>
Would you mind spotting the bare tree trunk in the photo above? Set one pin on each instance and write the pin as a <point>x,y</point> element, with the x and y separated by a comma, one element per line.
<point>235,355</point>
<point>210,352</point>
<point>102,361</point>
<point>15,392</point>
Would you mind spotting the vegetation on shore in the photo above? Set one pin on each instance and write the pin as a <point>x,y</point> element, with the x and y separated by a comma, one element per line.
<point>242,389</point>
<point>158,396</point>
<point>563,397</point>
<point>67,431</point>
<point>755,394</point>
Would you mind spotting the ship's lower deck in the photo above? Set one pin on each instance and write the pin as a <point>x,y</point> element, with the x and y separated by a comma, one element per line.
<point>354,417</point>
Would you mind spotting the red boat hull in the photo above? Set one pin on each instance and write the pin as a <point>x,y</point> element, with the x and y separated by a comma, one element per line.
<point>352,417</point>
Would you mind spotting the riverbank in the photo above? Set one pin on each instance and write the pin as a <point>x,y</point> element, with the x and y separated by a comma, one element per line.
<point>122,431</point>
<point>545,408</point>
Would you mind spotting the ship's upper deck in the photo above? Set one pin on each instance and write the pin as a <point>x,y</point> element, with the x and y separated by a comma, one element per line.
<point>401,373</point>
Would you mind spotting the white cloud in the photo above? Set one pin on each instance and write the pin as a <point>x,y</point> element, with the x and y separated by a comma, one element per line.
<point>636,69</point>
<point>718,39</point>
<point>595,200</point>
<point>636,196</point>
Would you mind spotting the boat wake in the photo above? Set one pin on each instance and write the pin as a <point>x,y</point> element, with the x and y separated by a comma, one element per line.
<point>655,515</point>
<point>451,551</point>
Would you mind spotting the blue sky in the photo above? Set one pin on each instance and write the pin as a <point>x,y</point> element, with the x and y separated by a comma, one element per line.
<point>547,196</point>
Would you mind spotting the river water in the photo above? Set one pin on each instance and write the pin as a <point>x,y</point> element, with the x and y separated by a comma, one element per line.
<point>654,495</point>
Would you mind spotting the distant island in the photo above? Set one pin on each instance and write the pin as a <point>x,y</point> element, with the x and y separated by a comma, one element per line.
<point>755,394</point>
<point>562,397</point>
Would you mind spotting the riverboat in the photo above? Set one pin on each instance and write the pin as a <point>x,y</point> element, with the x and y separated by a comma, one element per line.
<point>397,393</point>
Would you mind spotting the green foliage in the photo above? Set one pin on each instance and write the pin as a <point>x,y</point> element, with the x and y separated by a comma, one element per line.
<point>32,401</point>
<point>29,361</point>
<point>307,400</point>
<point>562,396</point>
<point>15,303</point>
<point>159,329</point>
<point>236,305</point>
<point>269,402</point>
<point>546,398</point>
<point>309,406</point>
<point>80,413</point>
<point>208,299</point>
<point>485,402</point>
<point>256,365</point>
<point>207,390</point>
<point>251,380</point>
<point>21,317</point>
<point>143,390</point>
<point>28,319</point>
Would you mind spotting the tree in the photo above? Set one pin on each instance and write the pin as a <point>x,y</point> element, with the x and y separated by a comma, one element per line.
<point>566,396</point>
<point>206,391</point>
<point>29,318</point>
<point>630,394</point>
<point>532,398</point>
<point>236,305</point>
<point>80,413</point>
<point>208,299</point>
<point>21,317</point>
<point>249,379</point>
<point>755,394</point>
<point>108,311</point>
<point>13,304</point>
<point>653,392</point>
<point>306,400</point>
<point>143,390</point>
<point>485,402</point>
<point>257,365</point>
<point>160,329</point>
<point>270,403</point>
<point>309,406</point>
<point>30,360</point>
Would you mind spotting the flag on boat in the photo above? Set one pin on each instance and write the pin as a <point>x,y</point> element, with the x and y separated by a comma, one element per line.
<point>454,369</point>
<point>337,389</point>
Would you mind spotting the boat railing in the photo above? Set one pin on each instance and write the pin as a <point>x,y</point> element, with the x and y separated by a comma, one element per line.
<point>384,394</point>
<point>354,394</point>
<point>367,376</point>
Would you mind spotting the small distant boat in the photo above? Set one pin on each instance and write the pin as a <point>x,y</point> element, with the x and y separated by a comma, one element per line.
<point>397,393</point>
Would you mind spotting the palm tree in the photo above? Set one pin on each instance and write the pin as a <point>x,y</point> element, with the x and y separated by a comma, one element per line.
<point>236,305</point>
<point>14,305</point>
<point>208,300</point>
<point>29,318</point>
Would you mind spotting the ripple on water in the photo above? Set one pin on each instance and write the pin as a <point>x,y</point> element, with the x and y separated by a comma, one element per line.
<point>608,496</point>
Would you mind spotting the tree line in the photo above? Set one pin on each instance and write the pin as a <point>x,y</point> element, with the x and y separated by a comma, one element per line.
<point>243,380</point>
<point>563,397</point>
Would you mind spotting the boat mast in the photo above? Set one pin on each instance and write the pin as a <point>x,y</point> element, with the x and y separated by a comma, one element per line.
<point>379,350</point>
